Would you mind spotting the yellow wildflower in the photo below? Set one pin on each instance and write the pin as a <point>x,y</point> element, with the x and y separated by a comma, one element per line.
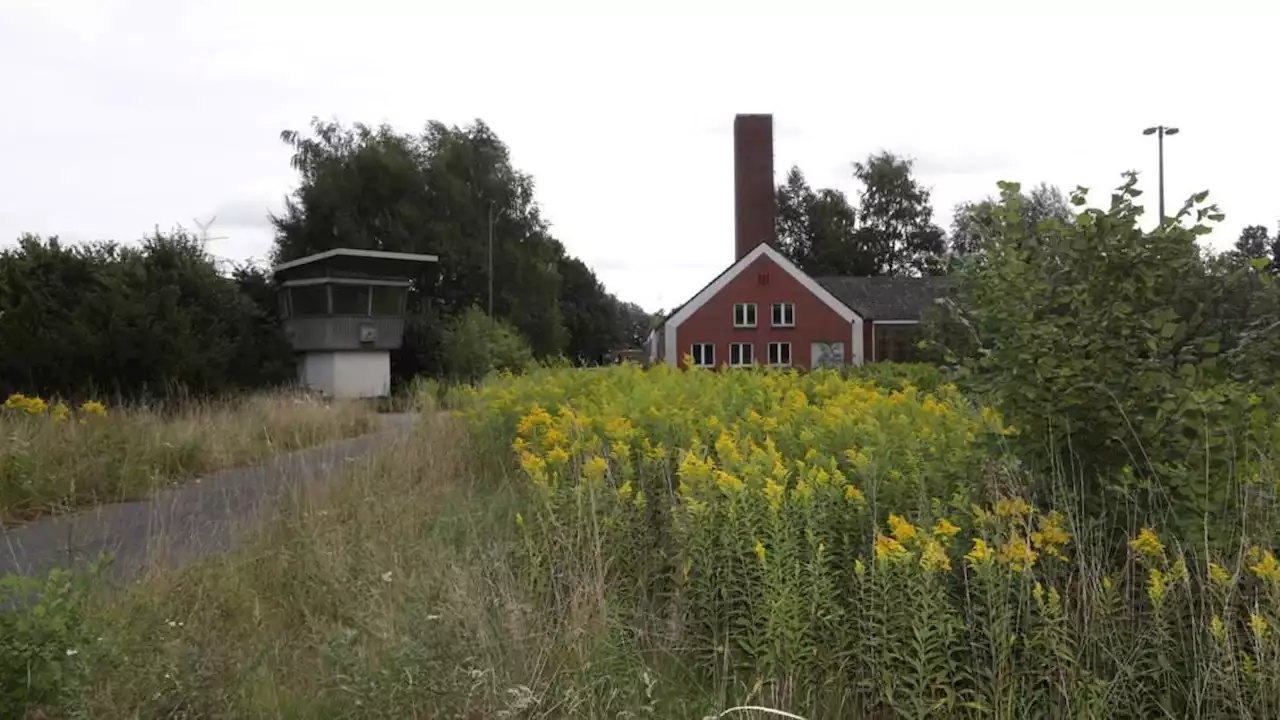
<point>945,528</point>
<point>1156,586</point>
<point>901,530</point>
<point>889,549</point>
<point>802,491</point>
<point>93,407</point>
<point>60,412</point>
<point>859,568</point>
<point>1218,575</point>
<point>557,456</point>
<point>1218,629</point>
<point>1014,507</point>
<point>728,483</point>
<point>1267,569</point>
<point>1147,544</point>
<point>1259,626</point>
<point>854,494</point>
<point>594,469</point>
<point>625,490</point>
<point>1018,554</point>
<point>760,551</point>
<point>933,558</point>
<point>980,554</point>
<point>773,493</point>
<point>1050,537</point>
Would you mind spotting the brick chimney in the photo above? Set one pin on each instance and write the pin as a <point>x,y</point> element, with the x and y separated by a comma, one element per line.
<point>753,197</point>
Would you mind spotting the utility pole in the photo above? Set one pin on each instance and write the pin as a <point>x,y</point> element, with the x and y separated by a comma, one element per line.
<point>490,258</point>
<point>1160,131</point>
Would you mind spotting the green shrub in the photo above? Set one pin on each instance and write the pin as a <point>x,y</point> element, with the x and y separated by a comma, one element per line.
<point>477,345</point>
<point>1118,352</point>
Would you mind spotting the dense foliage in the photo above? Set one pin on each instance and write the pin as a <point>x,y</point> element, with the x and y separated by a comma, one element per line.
<point>1130,359</point>
<point>890,232</point>
<point>447,191</point>
<point>102,318</point>
<point>835,549</point>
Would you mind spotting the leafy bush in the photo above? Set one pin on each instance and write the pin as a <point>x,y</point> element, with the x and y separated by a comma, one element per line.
<point>831,549</point>
<point>1116,352</point>
<point>42,634</point>
<point>478,345</point>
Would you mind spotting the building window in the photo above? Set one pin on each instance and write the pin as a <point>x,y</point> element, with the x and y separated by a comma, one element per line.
<point>704,355</point>
<point>744,314</point>
<point>784,314</point>
<point>741,354</point>
<point>780,353</point>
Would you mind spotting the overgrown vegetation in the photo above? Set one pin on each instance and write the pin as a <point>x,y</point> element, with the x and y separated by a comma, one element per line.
<point>55,458</point>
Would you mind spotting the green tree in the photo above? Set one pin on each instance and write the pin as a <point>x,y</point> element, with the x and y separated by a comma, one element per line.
<point>442,191</point>
<point>895,219</point>
<point>476,345</point>
<point>815,230</point>
<point>972,220</point>
<point>1255,242</point>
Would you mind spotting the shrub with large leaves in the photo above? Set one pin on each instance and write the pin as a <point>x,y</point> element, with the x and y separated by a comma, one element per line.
<point>1125,357</point>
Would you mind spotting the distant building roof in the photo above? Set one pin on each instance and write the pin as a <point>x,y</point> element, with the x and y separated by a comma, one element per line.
<point>339,253</point>
<point>887,298</point>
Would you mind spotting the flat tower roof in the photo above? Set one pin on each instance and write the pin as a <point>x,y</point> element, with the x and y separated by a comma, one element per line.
<point>354,253</point>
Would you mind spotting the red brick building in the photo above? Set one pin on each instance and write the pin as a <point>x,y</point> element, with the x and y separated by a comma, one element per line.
<point>763,310</point>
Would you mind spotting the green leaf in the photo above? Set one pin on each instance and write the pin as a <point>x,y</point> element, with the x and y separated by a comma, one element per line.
<point>1168,329</point>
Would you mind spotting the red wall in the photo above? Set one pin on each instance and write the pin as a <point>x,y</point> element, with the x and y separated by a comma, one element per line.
<point>815,321</point>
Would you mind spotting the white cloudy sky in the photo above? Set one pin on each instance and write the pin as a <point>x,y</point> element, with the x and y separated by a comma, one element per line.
<point>119,115</point>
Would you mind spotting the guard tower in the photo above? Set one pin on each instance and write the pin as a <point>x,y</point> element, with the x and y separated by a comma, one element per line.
<point>343,313</point>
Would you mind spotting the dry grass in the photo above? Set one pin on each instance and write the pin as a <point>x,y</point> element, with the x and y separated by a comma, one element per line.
<point>50,466</point>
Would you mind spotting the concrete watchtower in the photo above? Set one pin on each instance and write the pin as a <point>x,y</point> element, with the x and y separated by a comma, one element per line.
<point>343,313</point>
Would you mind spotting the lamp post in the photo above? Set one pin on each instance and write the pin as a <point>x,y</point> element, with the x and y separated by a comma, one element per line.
<point>1160,131</point>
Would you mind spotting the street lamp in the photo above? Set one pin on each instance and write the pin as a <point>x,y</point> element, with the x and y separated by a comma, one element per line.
<point>1160,131</point>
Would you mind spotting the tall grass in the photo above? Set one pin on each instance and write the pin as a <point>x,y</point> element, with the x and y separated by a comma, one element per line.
<point>51,463</point>
<point>620,543</point>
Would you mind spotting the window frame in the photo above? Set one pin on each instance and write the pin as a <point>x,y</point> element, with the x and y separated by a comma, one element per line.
<point>780,308</point>
<point>705,347</point>
<point>777,346</point>
<point>739,346</point>
<point>755,315</point>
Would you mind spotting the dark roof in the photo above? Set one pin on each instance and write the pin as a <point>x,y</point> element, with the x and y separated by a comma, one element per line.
<point>887,298</point>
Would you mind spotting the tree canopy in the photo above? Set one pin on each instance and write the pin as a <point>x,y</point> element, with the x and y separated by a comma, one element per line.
<point>444,191</point>
<point>890,232</point>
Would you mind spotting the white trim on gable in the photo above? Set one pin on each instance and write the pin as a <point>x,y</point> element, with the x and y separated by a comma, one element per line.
<point>897,322</point>
<point>710,291</point>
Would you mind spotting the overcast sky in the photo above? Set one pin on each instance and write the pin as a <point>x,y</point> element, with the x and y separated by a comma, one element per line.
<point>117,116</point>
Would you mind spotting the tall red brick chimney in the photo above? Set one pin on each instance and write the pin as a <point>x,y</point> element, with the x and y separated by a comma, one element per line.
<point>753,197</point>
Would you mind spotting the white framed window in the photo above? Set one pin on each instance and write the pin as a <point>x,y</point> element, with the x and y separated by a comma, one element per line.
<point>744,314</point>
<point>784,314</point>
<point>780,353</point>
<point>704,354</point>
<point>741,354</point>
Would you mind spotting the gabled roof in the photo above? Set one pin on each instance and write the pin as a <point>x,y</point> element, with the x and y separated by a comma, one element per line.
<point>887,298</point>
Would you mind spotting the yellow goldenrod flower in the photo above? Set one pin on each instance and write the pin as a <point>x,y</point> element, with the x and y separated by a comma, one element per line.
<point>901,530</point>
<point>802,491</point>
<point>980,554</point>
<point>625,490</point>
<point>557,456</point>
<point>60,412</point>
<point>859,568</point>
<point>1147,544</point>
<point>1218,629</point>
<point>1259,626</point>
<point>759,551</point>
<point>1218,575</point>
<point>1013,508</point>
<point>93,407</point>
<point>945,528</point>
<point>773,494</point>
<point>1018,554</point>
<point>1050,537</point>
<point>933,558</point>
<point>890,550</point>
<point>854,494</point>
<point>1267,569</point>
<point>728,483</point>
<point>595,469</point>
<point>1156,586</point>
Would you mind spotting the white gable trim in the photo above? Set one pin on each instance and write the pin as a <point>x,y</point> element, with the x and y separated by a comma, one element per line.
<point>672,353</point>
